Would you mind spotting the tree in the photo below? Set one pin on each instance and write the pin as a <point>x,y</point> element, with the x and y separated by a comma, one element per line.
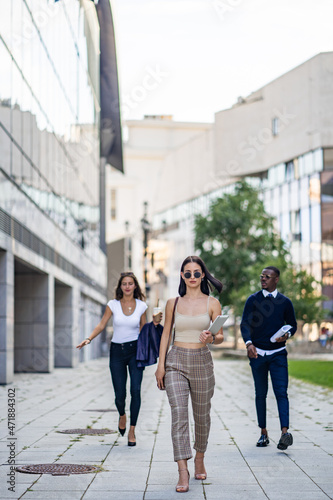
<point>304,292</point>
<point>237,240</point>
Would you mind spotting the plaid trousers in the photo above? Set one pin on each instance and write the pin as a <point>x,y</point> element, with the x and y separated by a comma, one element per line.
<point>189,371</point>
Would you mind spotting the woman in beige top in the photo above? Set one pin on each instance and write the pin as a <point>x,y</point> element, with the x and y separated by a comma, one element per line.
<point>188,367</point>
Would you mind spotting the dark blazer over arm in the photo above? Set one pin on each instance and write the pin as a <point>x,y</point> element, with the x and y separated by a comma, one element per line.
<point>148,344</point>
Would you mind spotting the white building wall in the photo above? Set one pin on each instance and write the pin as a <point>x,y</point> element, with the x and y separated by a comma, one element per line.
<point>301,99</point>
<point>166,163</point>
<point>179,174</point>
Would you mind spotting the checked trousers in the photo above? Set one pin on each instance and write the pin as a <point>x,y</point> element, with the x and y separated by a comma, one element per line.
<point>189,372</point>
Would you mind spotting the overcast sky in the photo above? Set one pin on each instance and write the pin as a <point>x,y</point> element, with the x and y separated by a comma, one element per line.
<point>192,58</point>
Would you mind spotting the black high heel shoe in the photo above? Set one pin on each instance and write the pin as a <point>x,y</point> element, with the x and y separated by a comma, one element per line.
<point>131,443</point>
<point>122,431</point>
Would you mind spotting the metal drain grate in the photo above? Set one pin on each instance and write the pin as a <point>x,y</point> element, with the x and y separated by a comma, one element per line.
<point>87,432</point>
<point>57,469</point>
<point>102,410</point>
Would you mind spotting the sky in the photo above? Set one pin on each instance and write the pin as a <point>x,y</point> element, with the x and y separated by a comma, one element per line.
<point>193,58</point>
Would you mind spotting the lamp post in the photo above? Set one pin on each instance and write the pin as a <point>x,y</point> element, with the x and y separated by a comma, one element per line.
<point>145,225</point>
<point>128,247</point>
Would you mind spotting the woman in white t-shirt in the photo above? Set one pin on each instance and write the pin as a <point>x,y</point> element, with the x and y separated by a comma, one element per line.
<point>129,315</point>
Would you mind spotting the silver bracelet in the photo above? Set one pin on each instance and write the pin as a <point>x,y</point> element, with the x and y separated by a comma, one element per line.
<point>88,339</point>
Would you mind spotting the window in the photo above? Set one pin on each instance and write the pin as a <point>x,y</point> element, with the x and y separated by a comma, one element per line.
<point>315,224</point>
<point>305,225</point>
<point>284,198</point>
<point>289,172</point>
<point>328,159</point>
<point>276,175</point>
<point>296,168</point>
<point>306,166</point>
<point>284,226</point>
<point>294,195</point>
<point>327,205</point>
<point>275,126</point>
<point>295,226</point>
<point>275,205</point>
<point>318,159</point>
<point>314,189</point>
<point>304,192</point>
<point>113,204</point>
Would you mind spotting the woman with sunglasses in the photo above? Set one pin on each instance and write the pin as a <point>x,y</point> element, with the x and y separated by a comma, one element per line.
<point>188,367</point>
<point>129,316</point>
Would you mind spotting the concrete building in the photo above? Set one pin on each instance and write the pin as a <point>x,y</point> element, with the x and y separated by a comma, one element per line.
<point>53,267</point>
<point>280,138</point>
<point>159,156</point>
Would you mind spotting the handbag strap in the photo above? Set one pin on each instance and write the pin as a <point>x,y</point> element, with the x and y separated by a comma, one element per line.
<point>173,319</point>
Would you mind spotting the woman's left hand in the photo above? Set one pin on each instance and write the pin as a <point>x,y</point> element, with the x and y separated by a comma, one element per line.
<point>206,337</point>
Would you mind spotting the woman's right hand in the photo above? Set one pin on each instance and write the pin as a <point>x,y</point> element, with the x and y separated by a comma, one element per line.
<point>157,318</point>
<point>83,343</point>
<point>159,374</point>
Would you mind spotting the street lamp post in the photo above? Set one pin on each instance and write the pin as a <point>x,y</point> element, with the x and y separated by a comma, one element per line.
<point>145,228</point>
<point>128,244</point>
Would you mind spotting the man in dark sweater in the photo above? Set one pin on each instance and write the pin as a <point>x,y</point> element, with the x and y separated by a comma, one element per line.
<point>265,312</point>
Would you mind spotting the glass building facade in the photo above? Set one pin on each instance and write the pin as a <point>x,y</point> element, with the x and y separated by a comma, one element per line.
<point>299,195</point>
<point>53,271</point>
<point>49,112</point>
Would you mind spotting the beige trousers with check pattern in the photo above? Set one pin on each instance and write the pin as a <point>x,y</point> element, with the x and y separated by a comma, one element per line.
<point>189,371</point>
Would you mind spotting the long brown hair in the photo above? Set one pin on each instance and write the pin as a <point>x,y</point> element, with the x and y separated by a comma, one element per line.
<point>138,294</point>
<point>207,280</point>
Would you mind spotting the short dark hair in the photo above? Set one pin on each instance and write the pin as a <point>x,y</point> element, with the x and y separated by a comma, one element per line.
<point>138,294</point>
<point>274,269</point>
<point>207,280</point>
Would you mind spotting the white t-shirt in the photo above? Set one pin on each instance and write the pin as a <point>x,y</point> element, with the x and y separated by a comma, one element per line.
<point>126,328</point>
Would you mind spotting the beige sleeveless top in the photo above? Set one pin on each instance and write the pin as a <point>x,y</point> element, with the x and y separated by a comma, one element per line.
<point>188,328</point>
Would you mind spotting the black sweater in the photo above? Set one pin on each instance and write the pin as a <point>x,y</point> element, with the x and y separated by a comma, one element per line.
<point>263,316</point>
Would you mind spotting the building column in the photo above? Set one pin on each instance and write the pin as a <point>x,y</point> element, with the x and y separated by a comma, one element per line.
<point>34,323</point>
<point>76,328</point>
<point>63,327</point>
<point>6,317</point>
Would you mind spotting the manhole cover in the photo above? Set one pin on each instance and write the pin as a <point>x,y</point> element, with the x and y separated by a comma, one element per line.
<point>57,469</point>
<point>103,410</point>
<point>87,431</point>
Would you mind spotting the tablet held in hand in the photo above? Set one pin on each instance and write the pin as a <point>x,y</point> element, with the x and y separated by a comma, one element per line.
<point>217,324</point>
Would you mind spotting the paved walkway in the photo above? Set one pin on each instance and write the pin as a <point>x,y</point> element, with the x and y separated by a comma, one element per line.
<point>67,399</point>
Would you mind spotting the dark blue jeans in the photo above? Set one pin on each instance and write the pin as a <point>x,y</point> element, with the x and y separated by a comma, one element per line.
<point>121,357</point>
<point>277,365</point>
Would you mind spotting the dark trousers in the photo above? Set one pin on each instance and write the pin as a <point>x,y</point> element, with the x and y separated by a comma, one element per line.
<point>277,365</point>
<point>123,356</point>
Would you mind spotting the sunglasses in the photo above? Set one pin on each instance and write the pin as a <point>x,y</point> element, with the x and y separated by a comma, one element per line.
<point>196,274</point>
<point>127,274</point>
<point>262,276</point>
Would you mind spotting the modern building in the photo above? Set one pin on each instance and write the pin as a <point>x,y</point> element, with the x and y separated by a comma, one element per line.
<point>162,161</point>
<point>57,133</point>
<point>280,138</point>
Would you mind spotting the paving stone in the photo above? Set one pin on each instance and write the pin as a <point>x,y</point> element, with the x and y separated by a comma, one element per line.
<point>236,468</point>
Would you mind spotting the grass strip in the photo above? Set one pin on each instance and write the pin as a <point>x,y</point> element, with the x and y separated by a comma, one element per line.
<point>315,372</point>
